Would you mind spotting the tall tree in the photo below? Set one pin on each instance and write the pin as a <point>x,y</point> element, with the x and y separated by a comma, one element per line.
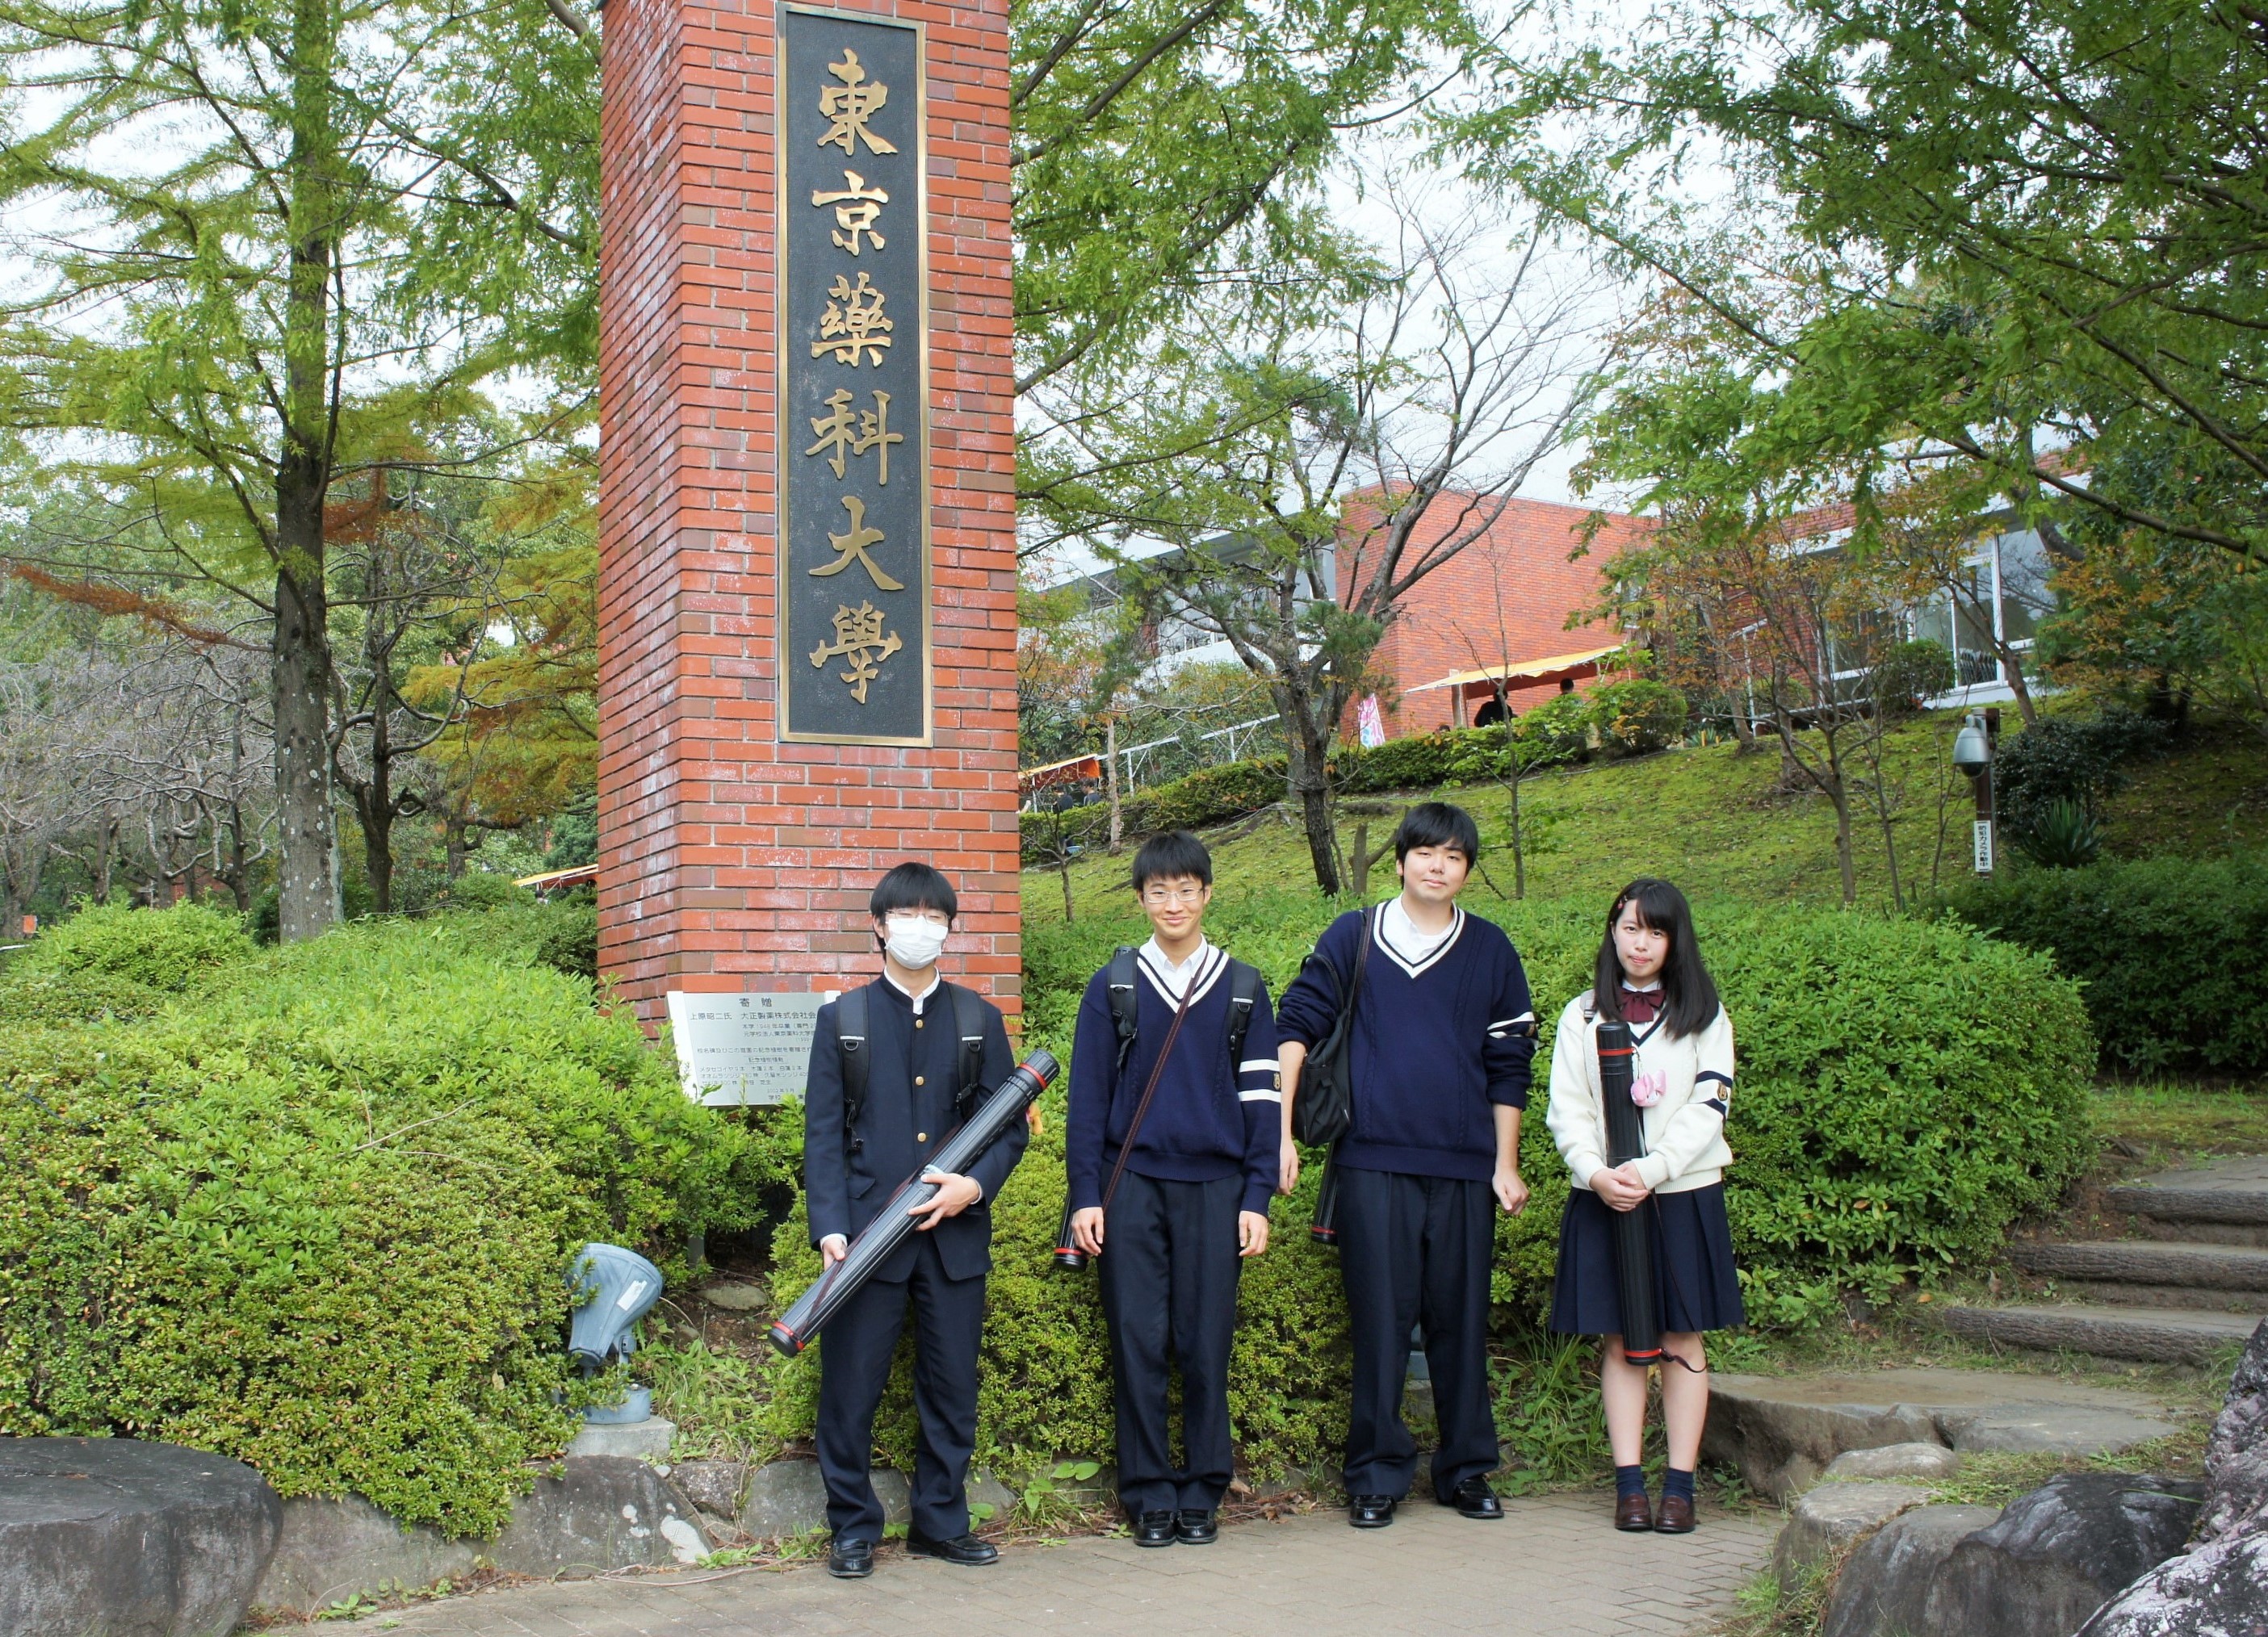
<point>1324,471</point>
<point>2031,233</point>
<point>282,230</point>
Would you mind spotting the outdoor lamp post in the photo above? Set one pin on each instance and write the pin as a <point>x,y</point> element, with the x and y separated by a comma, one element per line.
<point>1972,754</point>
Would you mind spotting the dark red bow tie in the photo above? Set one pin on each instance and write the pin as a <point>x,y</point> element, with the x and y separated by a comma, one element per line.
<point>1640,1006</point>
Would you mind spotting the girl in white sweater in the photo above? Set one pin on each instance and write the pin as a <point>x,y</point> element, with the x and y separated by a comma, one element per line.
<point>1650,976</point>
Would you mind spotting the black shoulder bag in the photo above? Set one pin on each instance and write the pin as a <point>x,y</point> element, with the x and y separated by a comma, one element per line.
<point>1322,1108</point>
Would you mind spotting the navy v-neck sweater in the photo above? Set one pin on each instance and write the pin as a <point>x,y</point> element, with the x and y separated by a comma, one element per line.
<point>1438,1043</point>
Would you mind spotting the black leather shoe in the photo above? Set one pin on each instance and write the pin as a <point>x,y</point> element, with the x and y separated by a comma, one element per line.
<point>849,1560</point>
<point>967,1550</point>
<point>1370,1511</point>
<point>1475,1498</point>
<point>1194,1526</point>
<point>1154,1529</point>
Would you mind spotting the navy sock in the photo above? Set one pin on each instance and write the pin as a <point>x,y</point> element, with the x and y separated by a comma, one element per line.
<point>1676,1483</point>
<point>1629,1481</point>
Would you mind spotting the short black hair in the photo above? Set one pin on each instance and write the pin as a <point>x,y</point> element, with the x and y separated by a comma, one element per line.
<point>1175,853</point>
<point>913,885</point>
<point>1437,824</point>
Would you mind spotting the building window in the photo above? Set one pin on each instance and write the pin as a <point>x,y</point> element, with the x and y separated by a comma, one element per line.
<point>2005,592</point>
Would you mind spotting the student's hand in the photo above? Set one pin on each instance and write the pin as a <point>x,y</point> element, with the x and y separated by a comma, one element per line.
<point>1511,1191</point>
<point>1087,1230</point>
<point>1287,1168</point>
<point>1619,1189</point>
<point>954,1194</point>
<point>1033,1118</point>
<point>1251,1233</point>
<point>833,1249</point>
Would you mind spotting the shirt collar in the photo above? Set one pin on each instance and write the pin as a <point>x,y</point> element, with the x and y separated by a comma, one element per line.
<point>916,1000</point>
<point>1174,982</point>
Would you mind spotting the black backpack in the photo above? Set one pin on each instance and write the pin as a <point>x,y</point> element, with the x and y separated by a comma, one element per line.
<point>1243,994</point>
<point>858,1062</point>
<point>1324,1108</point>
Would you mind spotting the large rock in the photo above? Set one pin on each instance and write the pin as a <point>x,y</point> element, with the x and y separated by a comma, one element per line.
<point>1884,1586</point>
<point>1832,1516</point>
<point>784,1498</point>
<point>1892,1461</point>
<point>1783,1432</point>
<point>2220,1587</point>
<point>2056,1554</point>
<point>587,1515</point>
<point>2218,1590</point>
<point>115,1537</point>
<point>714,1486</point>
<point>332,1549</point>
<point>599,1513</point>
<point>2236,1459</point>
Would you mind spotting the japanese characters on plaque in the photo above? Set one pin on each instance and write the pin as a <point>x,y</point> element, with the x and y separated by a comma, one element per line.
<point>854,659</point>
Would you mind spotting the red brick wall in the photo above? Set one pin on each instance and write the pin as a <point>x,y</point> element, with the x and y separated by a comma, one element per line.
<point>728,860</point>
<point>1454,618</point>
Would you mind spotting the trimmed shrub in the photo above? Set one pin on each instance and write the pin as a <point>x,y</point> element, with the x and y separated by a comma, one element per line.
<point>172,949</point>
<point>318,1218</point>
<point>1910,672</point>
<point>1908,1089</point>
<point>2164,946</point>
<point>1561,725</point>
<point>2072,757</point>
<point>1638,717</point>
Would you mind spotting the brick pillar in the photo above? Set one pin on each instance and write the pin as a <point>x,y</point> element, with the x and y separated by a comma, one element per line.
<point>731,859</point>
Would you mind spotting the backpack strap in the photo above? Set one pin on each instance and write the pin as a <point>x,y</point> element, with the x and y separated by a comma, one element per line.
<point>968,1022</point>
<point>857,1062</point>
<point>1125,1007</point>
<point>1243,996</point>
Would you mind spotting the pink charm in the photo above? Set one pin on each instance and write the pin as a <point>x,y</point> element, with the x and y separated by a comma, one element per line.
<point>1648,1088</point>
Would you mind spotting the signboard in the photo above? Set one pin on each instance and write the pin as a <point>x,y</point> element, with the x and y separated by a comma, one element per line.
<point>1983,840</point>
<point>743,1050</point>
<point>854,598</point>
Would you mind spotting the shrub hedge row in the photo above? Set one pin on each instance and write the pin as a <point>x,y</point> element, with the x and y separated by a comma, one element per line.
<point>1907,1090</point>
<point>315,1212</point>
<point>2166,947</point>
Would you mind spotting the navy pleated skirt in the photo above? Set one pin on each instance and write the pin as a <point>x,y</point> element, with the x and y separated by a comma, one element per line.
<point>1695,1284</point>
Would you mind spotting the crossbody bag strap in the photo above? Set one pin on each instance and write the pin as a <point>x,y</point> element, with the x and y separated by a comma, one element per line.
<point>1157,1073</point>
<point>857,1062</point>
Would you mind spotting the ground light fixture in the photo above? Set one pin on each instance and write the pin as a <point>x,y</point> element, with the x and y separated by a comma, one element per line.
<point>613,1289</point>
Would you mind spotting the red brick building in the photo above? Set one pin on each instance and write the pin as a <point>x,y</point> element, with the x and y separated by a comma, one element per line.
<point>1502,606</point>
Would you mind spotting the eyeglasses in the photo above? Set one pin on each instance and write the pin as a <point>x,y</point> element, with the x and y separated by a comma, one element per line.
<point>1157,897</point>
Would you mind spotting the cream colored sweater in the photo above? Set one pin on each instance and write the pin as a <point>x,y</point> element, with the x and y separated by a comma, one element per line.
<point>1685,1146</point>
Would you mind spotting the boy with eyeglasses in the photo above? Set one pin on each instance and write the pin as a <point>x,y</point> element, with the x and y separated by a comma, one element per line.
<point>1171,1146</point>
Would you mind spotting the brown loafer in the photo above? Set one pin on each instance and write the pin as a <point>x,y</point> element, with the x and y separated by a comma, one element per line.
<point>1677,1516</point>
<point>1634,1512</point>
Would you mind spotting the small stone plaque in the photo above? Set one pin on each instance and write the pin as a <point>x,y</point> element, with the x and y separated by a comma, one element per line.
<point>737,1050</point>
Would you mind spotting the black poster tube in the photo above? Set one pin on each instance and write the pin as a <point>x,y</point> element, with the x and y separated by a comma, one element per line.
<point>810,1312</point>
<point>1633,1243</point>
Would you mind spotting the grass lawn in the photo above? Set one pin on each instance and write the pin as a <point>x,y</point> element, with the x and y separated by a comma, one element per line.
<point>1715,822</point>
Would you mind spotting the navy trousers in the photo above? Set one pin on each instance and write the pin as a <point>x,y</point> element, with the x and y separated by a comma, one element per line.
<point>854,1367</point>
<point>1169,1269</point>
<point>1416,1251</point>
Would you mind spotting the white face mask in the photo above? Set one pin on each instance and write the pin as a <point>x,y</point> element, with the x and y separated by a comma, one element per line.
<point>915,941</point>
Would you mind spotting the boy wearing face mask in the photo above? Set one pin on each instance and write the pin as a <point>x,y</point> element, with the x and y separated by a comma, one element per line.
<point>929,1051</point>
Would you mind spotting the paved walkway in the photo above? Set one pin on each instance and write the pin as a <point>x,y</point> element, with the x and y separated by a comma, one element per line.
<point>1555,1566</point>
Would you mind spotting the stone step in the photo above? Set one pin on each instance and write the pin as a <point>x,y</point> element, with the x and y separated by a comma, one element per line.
<point>2188,1265</point>
<point>2151,1334</point>
<point>2226,1202</point>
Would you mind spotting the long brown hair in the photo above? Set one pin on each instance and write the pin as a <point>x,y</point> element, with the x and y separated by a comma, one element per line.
<point>1688,996</point>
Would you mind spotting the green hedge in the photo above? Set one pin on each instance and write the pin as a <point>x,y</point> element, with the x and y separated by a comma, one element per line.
<point>1908,1089</point>
<point>2166,947</point>
<point>1216,795</point>
<point>317,1215</point>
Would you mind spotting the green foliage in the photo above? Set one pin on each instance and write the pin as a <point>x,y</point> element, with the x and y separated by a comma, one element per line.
<point>2162,946</point>
<point>318,1216</point>
<point>2062,836</point>
<point>172,949</point>
<point>1562,725</point>
<point>713,1397</point>
<point>2078,759</point>
<point>1638,717</point>
<point>1909,672</point>
<point>32,999</point>
<point>570,941</point>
